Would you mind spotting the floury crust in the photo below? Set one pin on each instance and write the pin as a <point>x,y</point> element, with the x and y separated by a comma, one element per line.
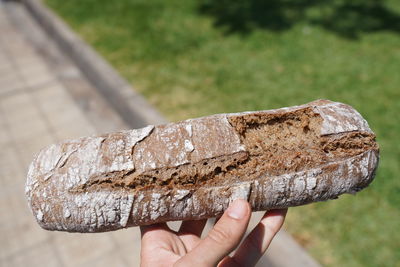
<point>194,169</point>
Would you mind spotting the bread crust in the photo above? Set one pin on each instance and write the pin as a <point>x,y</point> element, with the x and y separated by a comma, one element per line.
<point>162,173</point>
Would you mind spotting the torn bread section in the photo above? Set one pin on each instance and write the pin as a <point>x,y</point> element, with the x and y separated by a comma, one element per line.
<point>290,142</point>
<point>191,152</point>
<point>275,144</point>
<point>240,147</point>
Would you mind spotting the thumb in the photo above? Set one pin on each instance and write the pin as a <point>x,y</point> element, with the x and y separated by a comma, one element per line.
<point>222,239</point>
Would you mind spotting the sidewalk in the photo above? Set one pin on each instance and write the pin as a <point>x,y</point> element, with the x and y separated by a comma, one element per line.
<point>36,109</point>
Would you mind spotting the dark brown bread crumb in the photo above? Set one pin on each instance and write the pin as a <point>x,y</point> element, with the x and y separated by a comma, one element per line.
<point>275,144</point>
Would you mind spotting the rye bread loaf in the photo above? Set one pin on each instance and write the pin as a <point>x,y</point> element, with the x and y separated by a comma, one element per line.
<point>193,169</point>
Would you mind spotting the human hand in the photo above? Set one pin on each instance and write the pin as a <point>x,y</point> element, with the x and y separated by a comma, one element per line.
<point>162,246</point>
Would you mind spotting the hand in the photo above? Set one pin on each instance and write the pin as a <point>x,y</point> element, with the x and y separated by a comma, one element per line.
<point>163,247</point>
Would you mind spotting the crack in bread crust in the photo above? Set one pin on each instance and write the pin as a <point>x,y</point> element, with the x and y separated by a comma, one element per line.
<point>275,144</point>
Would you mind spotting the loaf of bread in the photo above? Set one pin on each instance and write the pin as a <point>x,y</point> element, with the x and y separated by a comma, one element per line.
<point>193,169</point>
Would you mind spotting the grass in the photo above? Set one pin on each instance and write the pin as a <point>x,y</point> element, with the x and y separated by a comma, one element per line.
<point>193,58</point>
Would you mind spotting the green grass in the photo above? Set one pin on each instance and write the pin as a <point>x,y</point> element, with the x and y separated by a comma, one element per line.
<point>173,53</point>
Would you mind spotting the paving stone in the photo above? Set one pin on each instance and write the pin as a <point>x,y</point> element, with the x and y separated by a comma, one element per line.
<point>5,204</point>
<point>42,254</point>
<point>128,242</point>
<point>30,147</point>
<point>27,128</point>
<point>127,237</point>
<point>5,66</point>
<point>78,249</point>
<point>13,189</point>
<point>131,254</point>
<point>10,83</point>
<point>71,133</point>
<point>19,112</point>
<point>17,47</point>
<point>10,167</point>
<point>30,62</point>
<point>56,105</point>
<point>36,77</point>
<point>3,136</point>
<point>67,117</point>
<point>8,76</point>
<point>20,235</point>
<point>18,206</point>
<point>51,92</point>
<point>106,260</point>
<point>14,101</point>
<point>7,72</point>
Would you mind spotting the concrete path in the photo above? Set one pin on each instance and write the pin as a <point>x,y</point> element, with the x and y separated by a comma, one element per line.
<point>45,98</point>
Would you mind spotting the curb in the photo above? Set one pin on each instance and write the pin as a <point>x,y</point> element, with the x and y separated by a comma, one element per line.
<point>130,105</point>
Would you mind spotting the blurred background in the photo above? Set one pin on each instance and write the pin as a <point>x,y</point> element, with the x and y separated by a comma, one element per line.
<point>199,57</point>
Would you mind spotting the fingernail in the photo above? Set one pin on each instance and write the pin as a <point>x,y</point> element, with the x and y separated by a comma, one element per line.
<point>238,209</point>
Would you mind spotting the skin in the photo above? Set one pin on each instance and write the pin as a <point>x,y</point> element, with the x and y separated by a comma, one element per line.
<point>162,246</point>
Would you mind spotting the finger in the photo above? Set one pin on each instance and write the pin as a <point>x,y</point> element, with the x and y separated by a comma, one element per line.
<point>190,233</point>
<point>257,242</point>
<point>222,239</point>
<point>153,227</point>
<point>158,238</point>
<point>193,227</point>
